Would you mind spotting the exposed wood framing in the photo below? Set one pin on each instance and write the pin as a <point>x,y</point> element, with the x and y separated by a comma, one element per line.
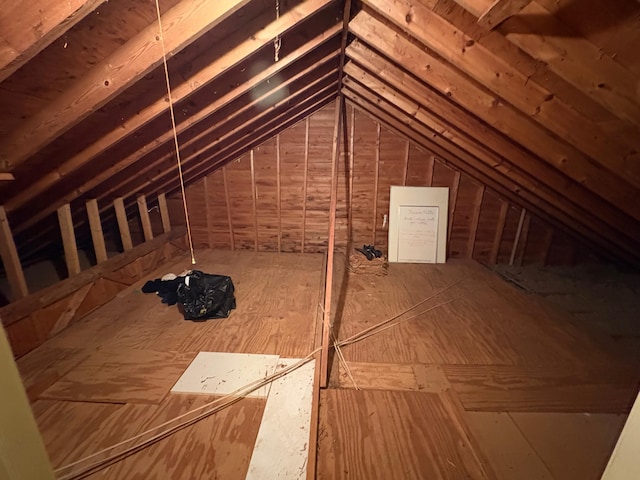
<point>432,166</point>
<point>500,10</point>
<point>10,259</point>
<point>123,223</point>
<point>254,195</point>
<point>69,240</point>
<point>96,231</point>
<point>183,24</point>
<point>304,186</point>
<point>182,91</point>
<point>164,213</point>
<point>497,239</point>
<point>326,319</point>
<point>516,241</point>
<point>452,204</point>
<point>228,205</point>
<point>6,176</point>
<point>278,193</point>
<point>471,241</point>
<point>406,163</point>
<point>523,240</point>
<point>352,156</point>
<point>144,217</point>
<point>21,41</point>
<point>376,173</point>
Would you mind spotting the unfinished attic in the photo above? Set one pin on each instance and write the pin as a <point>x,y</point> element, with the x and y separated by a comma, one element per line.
<point>428,210</point>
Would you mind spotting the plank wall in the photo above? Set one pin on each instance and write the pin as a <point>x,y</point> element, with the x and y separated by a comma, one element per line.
<point>276,198</point>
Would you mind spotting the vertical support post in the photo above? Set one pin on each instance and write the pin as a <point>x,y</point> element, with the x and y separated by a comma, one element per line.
<point>375,185</point>
<point>326,320</point>
<point>254,194</point>
<point>497,239</point>
<point>304,186</point>
<point>471,244</point>
<point>452,206</point>
<point>430,168</point>
<point>164,213</point>
<point>123,224</point>
<point>278,192</point>
<point>96,230</point>
<point>69,239</point>
<point>228,202</point>
<point>22,452</point>
<point>516,241</point>
<point>352,155</point>
<point>406,163</point>
<point>10,259</point>
<point>144,218</point>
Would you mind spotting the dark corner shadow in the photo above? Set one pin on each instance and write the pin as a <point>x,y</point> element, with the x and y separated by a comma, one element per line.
<point>554,26</point>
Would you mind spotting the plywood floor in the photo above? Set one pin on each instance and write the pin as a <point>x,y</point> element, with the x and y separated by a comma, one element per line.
<point>494,385</point>
<point>109,376</point>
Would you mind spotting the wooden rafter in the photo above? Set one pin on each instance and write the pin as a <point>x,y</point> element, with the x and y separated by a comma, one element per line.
<point>500,10</point>
<point>183,24</point>
<point>21,41</point>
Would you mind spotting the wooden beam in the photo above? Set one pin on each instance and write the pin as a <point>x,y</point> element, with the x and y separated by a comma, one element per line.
<point>497,238</point>
<point>228,204</point>
<point>233,56</point>
<point>516,241</point>
<point>254,194</point>
<point>143,210</point>
<point>304,185</point>
<point>96,230</point>
<point>183,25</point>
<point>471,241</point>
<point>523,240</point>
<point>10,259</point>
<point>278,193</point>
<point>452,204</point>
<point>123,223</point>
<point>493,110</point>
<point>430,169</point>
<point>376,173</point>
<point>6,176</point>
<point>326,319</point>
<point>405,170</point>
<point>28,27</point>
<point>352,156</point>
<point>164,213</point>
<point>69,240</point>
<point>499,11</point>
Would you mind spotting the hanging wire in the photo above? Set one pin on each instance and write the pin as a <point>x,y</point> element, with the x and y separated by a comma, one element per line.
<point>277,42</point>
<point>175,135</point>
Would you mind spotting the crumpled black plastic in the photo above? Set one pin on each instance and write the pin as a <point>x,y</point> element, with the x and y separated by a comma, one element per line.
<point>203,296</point>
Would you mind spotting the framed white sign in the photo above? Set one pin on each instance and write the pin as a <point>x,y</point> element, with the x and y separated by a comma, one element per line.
<point>418,224</point>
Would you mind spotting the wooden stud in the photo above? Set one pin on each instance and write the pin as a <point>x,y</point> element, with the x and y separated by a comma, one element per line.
<point>144,218</point>
<point>254,195</point>
<point>523,240</point>
<point>96,230</point>
<point>326,323</point>
<point>228,203</point>
<point>69,240</point>
<point>304,185</point>
<point>205,187</point>
<point>278,193</point>
<point>432,165</point>
<point>123,224</point>
<point>497,238</point>
<point>471,242</point>
<point>454,200</point>
<point>516,241</point>
<point>499,11</point>
<point>164,213</point>
<point>406,163</point>
<point>10,259</point>
<point>375,184</point>
<point>352,155</point>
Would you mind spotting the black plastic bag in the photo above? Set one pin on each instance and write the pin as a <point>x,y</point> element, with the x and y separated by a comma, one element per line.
<point>203,296</point>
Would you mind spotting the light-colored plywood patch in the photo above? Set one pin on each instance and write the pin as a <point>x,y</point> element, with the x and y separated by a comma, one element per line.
<point>282,447</point>
<point>222,373</point>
